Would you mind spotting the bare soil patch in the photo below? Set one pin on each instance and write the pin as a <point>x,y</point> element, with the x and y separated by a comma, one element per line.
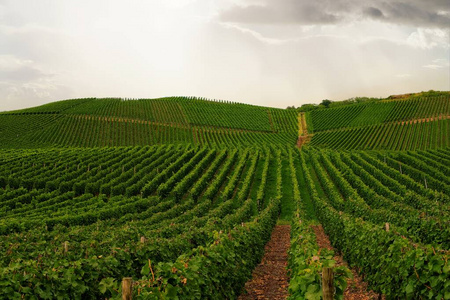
<point>270,279</point>
<point>430,119</point>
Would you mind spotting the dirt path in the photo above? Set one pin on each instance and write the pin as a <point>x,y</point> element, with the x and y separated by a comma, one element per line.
<point>430,119</point>
<point>356,288</point>
<point>210,128</point>
<point>303,136</point>
<point>269,279</point>
<point>270,121</point>
<point>302,140</point>
<point>411,121</point>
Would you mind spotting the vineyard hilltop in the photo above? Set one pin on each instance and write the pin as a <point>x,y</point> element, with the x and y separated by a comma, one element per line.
<point>182,195</point>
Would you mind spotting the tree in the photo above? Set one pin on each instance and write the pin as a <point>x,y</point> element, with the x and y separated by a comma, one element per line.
<point>326,102</point>
<point>308,107</point>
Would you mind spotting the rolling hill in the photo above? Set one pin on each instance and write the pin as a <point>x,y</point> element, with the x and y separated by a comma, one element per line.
<point>181,194</point>
<point>419,122</point>
<point>116,122</point>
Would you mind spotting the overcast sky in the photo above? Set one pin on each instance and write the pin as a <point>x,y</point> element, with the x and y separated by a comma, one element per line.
<point>265,52</point>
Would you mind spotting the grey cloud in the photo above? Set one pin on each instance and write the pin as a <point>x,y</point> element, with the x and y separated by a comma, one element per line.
<point>283,12</point>
<point>22,74</point>
<point>30,42</point>
<point>417,13</point>
<point>16,95</point>
<point>373,12</point>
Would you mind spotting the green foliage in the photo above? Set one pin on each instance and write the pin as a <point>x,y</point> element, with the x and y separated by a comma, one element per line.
<point>326,103</point>
<point>218,114</point>
<point>218,271</point>
<point>389,136</point>
<point>306,259</point>
<point>190,219</point>
<point>393,262</point>
<point>104,232</point>
<point>103,122</point>
<point>363,113</point>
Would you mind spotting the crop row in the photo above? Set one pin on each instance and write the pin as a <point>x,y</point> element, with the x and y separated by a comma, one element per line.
<point>372,113</point>
<point>112,237</point>
<point>408,259</point>
<point>94,131</point>
<point>392,136</point>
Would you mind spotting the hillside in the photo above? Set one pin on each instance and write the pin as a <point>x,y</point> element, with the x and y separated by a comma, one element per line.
<point>419,122</point>
<point>182,195</point>
<point>116,122</point>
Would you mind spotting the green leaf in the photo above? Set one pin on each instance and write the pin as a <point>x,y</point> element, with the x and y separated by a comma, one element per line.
<point>313,292</point>
<point>409,288</point>
<point>106,284</point>
<point>171,292</point>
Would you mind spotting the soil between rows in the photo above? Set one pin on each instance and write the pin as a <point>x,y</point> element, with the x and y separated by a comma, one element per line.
<point>356,288</point>
<point>270,279</point>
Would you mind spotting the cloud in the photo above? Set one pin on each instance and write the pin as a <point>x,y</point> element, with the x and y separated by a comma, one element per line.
<point>19,70</point>
<point>281,12</point>
<point>429,38</point>
<point>256,35</point>
<point>22,80</point>
<point>286,52</point>
<point>15,95</point>
<point>21,75</point>
<point>403,75</point>
<point>439,63</point>
<point>414,13</point>
<point>418,13</point>
<point>373,12</point>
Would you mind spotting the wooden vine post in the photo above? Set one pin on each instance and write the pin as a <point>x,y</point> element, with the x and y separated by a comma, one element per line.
<point>66,247</point>
<point>127,288</point>
<point>328,284</point>
<point>387,227</point>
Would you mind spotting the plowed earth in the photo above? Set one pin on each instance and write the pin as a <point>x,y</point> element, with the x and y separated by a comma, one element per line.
<point>270,279</point>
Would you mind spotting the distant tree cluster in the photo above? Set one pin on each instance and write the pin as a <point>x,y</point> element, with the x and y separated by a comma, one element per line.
<point>326,103</point>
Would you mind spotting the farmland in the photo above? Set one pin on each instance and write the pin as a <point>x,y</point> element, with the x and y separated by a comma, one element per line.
<point>182,194</point>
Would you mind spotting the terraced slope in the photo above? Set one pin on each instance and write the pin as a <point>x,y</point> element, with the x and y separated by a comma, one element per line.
<point>407,124</point>
<point>116,122</point>
<point>384,111</point>
<point>392,136</point>
<point>120,208</point>
<point>181,194</point>
<point>142,211</point>
<point>356,194</point>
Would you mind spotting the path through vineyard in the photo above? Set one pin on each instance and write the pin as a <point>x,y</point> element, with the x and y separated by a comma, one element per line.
<point>303,136</point>
<point>269,279</point>
<point>356,288</point>
<point>430,119</point>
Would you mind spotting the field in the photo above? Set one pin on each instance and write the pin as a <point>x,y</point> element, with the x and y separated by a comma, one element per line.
<point>182,195</point>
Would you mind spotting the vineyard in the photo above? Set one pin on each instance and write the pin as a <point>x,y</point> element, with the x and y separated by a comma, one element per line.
<point>182,195</point>
<point>394,136</point>
<point>116,122</point>
<point>418,123</point>
<point>118,209</point>
<point>386,111</point>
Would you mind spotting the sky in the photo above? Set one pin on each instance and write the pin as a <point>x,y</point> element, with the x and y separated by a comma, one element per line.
<point>263,52</point>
